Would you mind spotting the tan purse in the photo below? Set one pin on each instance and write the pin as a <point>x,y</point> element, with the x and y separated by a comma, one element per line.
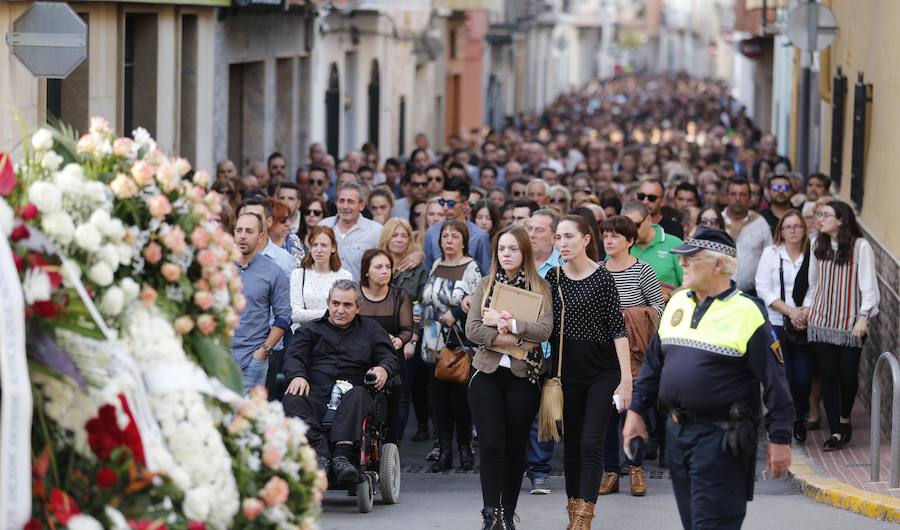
<point>453,366</point>
<point>551,412</point>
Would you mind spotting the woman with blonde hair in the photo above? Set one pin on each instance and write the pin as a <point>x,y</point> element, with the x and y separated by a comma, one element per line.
<point>398,240</point>
<point>505,392</point>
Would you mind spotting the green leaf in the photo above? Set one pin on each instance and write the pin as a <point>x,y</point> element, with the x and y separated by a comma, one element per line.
<point>216,360</point>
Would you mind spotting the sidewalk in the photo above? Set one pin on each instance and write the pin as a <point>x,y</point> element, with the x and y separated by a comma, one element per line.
<point>842,478</point>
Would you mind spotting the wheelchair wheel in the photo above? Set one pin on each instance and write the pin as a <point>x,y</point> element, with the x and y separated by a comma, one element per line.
<point>365,493</point>
<point>389,474</point>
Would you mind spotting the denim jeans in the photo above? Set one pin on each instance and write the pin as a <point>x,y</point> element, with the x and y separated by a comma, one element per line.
<point>255,373</point>
<point>798,368</point>
<point>538,454</point>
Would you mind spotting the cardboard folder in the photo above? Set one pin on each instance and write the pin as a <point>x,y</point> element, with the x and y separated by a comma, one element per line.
<point>521,304</point>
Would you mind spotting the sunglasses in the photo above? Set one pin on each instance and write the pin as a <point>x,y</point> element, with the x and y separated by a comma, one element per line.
<point>650,197</point>
<point>709,221</point>
<point>435,179</point>
<point>312,212</point>
<point>557,200</point>
<point>781,187</point>
<point>447,203</point>
<point>418,184</point>
<point>317,182</point>
<point>518,194</point>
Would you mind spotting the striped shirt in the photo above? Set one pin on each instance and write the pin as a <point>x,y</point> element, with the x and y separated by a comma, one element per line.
<point>638,287</point>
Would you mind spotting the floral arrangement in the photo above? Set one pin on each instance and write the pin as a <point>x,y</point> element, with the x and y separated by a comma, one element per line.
<point>131,297</point>
<point>274,465</point>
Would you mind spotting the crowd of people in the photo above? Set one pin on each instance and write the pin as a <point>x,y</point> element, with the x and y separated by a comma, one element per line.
<point>592,205</point>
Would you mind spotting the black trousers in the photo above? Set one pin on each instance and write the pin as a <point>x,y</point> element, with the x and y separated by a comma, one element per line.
<point>586,413</point>
<point>355,405</point>
<point>710,486</point>
<point>503,406</point>
<point>420,376</point>
<point>398,404</point>
<point>839,371</point>
<point>451,409</point>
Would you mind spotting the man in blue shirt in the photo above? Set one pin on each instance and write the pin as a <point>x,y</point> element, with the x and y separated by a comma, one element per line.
<point>541,228</point>
<point>267,291</point>
<point>453,200</point>
<point>263,208</point>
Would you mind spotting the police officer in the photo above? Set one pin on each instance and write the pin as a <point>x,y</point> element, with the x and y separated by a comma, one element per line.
<point>713,350</point>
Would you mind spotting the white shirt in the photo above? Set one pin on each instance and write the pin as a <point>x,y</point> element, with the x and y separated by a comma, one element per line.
<point>309,299</point>
<point>768,280</point>
<point>361,237</point>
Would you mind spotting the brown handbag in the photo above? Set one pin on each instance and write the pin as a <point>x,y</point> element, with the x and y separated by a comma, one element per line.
<point>453,365</point>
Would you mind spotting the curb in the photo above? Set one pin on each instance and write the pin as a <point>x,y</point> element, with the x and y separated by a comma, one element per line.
<point>826,490</point>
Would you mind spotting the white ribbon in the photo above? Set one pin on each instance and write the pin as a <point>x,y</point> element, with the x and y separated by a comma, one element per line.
<point>16,407</point>
<point>187,376</point>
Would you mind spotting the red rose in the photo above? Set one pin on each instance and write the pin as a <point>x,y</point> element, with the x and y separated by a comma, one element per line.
<point>28,212</point>
<point>62,506</point>
<point>106,478</point>
<point>147,525</point>
<point>7,175</point>
<point>46,309</point>
<point>196,525</point>
<point>55,279</point>
<point>20,262</point>
<point>33,524</point>
<point>132,434</point>
<point>19,233</point>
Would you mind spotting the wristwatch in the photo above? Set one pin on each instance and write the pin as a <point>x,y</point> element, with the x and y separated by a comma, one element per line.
<point>267,348</point>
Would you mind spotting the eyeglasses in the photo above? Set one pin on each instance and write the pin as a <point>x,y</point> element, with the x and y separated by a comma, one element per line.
<point>447,203</point>
<point>824,215</point>
<point>781,187</point>
<point>308,211</point>
<point>435,179</point>
<point>791,228</point>
<point>709,221</point>
<point>317,182</point>
<point>557,200</point>
<point>650,197</point>
<point>418,184</point>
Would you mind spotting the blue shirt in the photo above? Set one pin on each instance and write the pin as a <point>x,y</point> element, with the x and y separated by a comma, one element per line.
<point>479,245</point>
<point>281,257</point>
<point>552,262</point>
<point>267,291</point>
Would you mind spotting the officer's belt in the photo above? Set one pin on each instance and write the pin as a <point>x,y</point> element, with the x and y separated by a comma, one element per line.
<point>684,417</point>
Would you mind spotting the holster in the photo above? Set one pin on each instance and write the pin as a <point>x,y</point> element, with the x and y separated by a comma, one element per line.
<point>741,436</point>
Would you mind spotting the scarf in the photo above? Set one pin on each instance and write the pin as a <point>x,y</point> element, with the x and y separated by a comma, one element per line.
<point>535,359</point>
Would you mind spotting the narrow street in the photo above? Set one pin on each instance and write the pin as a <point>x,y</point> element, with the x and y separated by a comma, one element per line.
<point>453,501</point>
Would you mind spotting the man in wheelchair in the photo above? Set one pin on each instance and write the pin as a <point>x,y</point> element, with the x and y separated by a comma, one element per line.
<point>341,346</point>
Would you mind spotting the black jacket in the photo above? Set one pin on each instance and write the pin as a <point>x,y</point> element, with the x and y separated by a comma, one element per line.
<point>323,353</point>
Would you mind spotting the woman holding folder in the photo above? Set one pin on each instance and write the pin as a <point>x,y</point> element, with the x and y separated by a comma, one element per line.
<point>505,392</point>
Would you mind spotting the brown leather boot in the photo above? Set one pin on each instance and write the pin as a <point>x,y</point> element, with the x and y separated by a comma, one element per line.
<point>638,483</point>
<point>609,484</point>
<point>582,515</point>
<point>570,509</point>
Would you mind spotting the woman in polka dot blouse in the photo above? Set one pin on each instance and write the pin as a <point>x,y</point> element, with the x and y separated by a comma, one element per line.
<point>595,359</point>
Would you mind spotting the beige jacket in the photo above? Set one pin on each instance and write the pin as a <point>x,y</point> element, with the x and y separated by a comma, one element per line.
<point>487,360</point>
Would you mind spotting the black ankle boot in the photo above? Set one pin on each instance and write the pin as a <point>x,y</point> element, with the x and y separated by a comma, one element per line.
<point>444,461</point>
<point>487,514</point>
<point>507,518</point>
<point>466,457</point>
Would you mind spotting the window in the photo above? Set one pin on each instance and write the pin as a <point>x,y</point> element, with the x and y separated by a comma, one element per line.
<point>245,113</point>
<point>68,99</point>
<point>139,72</point>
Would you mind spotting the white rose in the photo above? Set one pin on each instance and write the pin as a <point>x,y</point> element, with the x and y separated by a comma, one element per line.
<point>116,519</point>
<point>46,196</point>
<point>114,230</point>
<point>70,179</point>
<point>197,504</point>
<point>100,218</point>
<point>109,254</point>
<point>7,218</point>
<point>130,289</point>
<point>88,237</point>
<point>83,522</point>
<point>112,301</point>
<point>36,286</point>
<point>101,274</point>
<point>125,253</point>
<point>95,190</point>
<point>50,160</point>
<point>59,226</point>
<point>42,140</point>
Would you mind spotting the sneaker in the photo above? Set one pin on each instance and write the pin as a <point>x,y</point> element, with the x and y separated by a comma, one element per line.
<point>540,485</point>
<point>434,454</point>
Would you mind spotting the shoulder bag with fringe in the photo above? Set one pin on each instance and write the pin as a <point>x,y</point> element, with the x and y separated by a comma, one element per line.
<point>551,413</point>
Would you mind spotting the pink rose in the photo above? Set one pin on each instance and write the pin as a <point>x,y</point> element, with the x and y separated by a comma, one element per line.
<point>207,258</point>
<point>153,253</point>
<point>201,285</point>
<point>174,240</point>
<point>200,238</point>
<point>159,206</point>
<point>142,173</point>
<point>201,211</point>
<point>166,177</point>
<point>171,272</point>
<point>206,324</point>
<point>183,325</point>
<point>123,186</point>
<point>182,167</point>
<point>218,280</point>
<point>275,492</point>
<point>148,296</point>
<point>252,508</point>
<point>202,179</point>
<point>123,147</point>
<point>231,319</point>
<point>272,457</point>
<point>240,302</point>
<point>235,285</point>
<point>259,394</point>
<point>204,300</point>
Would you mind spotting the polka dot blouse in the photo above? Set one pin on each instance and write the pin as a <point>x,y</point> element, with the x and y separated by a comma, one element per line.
<point>593,311</point>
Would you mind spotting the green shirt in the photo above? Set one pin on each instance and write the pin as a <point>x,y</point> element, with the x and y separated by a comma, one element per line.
<point>664,263</point>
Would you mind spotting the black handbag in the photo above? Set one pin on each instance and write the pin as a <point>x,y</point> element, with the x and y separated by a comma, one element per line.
<point>791,334</point>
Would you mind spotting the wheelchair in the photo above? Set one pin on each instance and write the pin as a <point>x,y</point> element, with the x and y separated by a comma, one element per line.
<point>377,461</point>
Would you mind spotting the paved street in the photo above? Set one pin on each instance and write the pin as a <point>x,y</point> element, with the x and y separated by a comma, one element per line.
<point>453,501</point>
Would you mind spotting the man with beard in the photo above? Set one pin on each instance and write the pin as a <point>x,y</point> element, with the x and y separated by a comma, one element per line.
<point>780,193</point>
<point>355,234</point>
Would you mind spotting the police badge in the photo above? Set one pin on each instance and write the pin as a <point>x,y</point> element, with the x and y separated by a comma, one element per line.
<point>676,318</point>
